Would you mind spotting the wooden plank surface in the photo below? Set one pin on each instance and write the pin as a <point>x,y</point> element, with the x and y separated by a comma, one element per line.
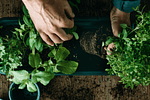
<point>101,87</point>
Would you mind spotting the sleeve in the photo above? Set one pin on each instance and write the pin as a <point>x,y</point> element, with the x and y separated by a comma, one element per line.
<point>126,5</point>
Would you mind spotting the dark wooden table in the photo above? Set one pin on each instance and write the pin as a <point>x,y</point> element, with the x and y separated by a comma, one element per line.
<point>78,87</point>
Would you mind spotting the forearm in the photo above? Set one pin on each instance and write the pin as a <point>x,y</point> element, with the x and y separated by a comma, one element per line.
<point>126,6</point>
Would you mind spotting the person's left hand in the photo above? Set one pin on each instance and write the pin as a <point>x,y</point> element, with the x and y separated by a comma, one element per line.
<point>117,17</point>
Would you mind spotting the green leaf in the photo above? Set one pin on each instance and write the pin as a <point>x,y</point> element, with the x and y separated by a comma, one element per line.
<point>19,76</point>
<point>67,67</point>
<point>22,86</point>
<point>123,25</point>
<point>75,35</point>
<point>39,45</point>
<point>43,77</point>
<point>32,42</point>
<point>61,54</point>
<point>25,11</point>
<point>52,53</point>
<point>31,87</point>
<point>109,41</point>
<point>26,21</point>
<point>125,34</point>
<point>34,60</point>
<point>120,75</point>
<point>132,86</point>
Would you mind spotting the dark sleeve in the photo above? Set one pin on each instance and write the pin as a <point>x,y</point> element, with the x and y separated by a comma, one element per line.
<point>126,5</point>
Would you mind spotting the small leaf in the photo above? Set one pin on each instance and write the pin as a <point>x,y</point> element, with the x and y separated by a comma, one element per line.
<point>25,11</point>
<point>125,34</point>
<point>123,25</point>
<point>22,86</point>
<point>39,45</point>
<point>109,41</point>
<point>26,21</point>
<point>31,87</point>
<point>75,35</point>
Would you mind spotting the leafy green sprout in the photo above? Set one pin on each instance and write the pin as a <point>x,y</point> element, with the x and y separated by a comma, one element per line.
<point>130,59</point>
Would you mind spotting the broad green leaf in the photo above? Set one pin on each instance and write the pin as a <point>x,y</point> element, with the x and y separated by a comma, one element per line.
<point>26,21</point>
<point>44,77</point>
<point>19,76</point>
<point>34,60</point>
<point>75,35</point>
<point>31,87</point>
<point>61,54</point>
<point>67,67</point>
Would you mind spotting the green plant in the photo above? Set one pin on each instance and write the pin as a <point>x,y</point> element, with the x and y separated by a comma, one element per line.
<point>28,37</point>
<point>130,59</point>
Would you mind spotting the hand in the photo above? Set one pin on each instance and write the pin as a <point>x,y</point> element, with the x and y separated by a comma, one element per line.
<point>49,17</point>
<point>117,17</point>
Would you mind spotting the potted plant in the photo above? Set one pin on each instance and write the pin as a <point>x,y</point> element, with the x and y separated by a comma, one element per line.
<point>25,42</point>
<point>130,59</point>
<point>24,94</point>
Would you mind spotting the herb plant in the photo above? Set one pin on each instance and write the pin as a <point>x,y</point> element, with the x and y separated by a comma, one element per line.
<point>130,59</point>
<point>12,52</point>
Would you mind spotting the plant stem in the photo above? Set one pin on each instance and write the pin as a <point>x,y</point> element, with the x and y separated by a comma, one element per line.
<point>33,51</point>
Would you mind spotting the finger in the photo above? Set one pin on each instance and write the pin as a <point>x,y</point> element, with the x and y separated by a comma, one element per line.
<point>69,12</point>
<point>55,38</point>
<point>46,39</point>
<point>62,35</point>
<point>109,50</point>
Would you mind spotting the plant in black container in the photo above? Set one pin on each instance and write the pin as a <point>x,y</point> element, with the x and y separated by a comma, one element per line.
<point>130,59</point>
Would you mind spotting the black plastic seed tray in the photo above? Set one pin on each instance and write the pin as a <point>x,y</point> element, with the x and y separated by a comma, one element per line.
<point>88,64</point>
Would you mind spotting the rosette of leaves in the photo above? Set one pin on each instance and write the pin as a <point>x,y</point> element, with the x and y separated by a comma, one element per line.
<point>130,59</point>
<point>56,57</point>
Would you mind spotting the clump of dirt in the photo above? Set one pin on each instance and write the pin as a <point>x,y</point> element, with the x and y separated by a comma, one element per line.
<point>91,41</point>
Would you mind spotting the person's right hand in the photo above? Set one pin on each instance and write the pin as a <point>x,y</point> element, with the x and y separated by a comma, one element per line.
<point>49,17</point>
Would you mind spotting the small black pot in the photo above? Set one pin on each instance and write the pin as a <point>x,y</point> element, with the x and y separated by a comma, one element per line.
<point>23,94</point>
